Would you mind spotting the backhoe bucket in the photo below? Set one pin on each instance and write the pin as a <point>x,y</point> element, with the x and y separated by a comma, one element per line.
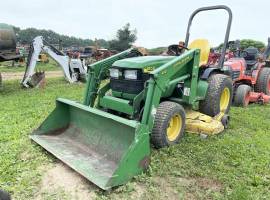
<point>106,149</point>
<point>37,80</point>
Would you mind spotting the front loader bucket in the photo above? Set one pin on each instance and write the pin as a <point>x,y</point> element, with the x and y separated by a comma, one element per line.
<point>106,149</point>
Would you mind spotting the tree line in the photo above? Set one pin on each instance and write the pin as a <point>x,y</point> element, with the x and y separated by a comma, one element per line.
<point>123,40</point>
<point>245,43</point>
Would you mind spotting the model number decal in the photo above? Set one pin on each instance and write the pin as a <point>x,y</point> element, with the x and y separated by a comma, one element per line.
<point>148,69</point>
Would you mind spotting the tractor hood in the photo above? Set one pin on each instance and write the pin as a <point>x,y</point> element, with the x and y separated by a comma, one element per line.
<point>143,62</point>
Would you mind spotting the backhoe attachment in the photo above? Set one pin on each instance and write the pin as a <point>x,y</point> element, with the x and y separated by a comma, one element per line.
<point>73,69</point>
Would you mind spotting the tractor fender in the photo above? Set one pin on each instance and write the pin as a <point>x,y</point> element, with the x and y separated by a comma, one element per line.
<point>210,70</point>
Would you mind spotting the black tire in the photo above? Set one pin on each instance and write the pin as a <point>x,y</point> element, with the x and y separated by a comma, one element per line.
<point>263,81</point>
<point>225,120</point>
<point>217,84</point>
<point>241,96</point>
<point>4,195</point>
<point>165,112</point>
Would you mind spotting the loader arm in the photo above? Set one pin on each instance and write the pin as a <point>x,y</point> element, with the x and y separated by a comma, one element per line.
<point>97,73</point>
<point>167,76</point>
<point>38,45</point>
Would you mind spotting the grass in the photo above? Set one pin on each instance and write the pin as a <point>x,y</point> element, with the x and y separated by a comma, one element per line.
<point>7,66</point>
<point>232,165</point>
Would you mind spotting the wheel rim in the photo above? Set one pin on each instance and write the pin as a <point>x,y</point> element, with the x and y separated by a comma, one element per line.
<point>174,127</point>
<point>225,99</point>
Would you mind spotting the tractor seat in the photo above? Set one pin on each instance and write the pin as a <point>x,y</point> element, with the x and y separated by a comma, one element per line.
<point>251,58</point>
<point>204,47</point>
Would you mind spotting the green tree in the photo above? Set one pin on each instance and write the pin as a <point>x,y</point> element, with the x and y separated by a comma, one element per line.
<point>251,43</point>
<point>124,38</point>
<point>245,43</point>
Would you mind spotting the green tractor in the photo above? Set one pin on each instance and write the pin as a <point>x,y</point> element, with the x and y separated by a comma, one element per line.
<point>133,101</point>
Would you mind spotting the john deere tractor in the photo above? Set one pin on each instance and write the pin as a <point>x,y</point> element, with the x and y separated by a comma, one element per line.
<point>132,101</point>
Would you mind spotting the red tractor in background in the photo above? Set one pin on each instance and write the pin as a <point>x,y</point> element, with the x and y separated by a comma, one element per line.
<point>250,72</point>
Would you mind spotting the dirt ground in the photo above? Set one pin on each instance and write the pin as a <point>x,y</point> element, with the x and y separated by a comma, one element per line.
<point>60,178</point>
<point>19,75</point>
<point>61,182</point>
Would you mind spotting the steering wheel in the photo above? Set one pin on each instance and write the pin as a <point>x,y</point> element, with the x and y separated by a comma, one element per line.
<point>240,53</point>
<point>134,53</point>
<point>183,47</point>
<point>176,50</point>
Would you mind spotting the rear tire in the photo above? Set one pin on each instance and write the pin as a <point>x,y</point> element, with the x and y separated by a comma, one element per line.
<point>263,81</point>
<point>242,94</point>
<point>169,124</point>
<point>219,95</point>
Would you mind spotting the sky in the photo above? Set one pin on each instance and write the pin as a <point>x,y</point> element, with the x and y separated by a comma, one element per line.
<point>158,22</point>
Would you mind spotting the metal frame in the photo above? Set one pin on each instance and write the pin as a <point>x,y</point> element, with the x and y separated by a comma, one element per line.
<point>218,7</point>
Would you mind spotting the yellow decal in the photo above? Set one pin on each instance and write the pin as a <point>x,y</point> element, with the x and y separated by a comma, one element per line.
<point>148,69</point>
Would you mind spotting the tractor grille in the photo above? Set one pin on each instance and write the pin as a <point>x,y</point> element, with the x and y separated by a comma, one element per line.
<point>235,75</point>
<point>127,86</point>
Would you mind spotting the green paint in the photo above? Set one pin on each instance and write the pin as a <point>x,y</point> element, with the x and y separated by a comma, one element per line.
<point>145,62</point>
<point>118,104</point>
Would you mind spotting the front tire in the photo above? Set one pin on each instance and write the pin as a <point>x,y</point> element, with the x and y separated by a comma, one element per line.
<point>263,81</point>
<point>242,95</point>
<point>169,124</point>
<point>219,95</point>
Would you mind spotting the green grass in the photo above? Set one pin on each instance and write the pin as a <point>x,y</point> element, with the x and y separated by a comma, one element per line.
<point>7,66</point>
<point>233,165</point>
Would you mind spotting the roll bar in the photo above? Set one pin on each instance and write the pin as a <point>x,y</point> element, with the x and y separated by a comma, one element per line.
<point>218,7</point>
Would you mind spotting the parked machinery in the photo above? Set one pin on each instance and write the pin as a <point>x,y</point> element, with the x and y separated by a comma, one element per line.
<point>250,71</point>
<point>74,69</point>
<point>7,45</point>
<point>132,101</point>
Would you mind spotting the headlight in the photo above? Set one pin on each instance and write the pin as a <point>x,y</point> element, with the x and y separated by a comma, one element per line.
<point>130,74</point>
<point>114,73</point>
